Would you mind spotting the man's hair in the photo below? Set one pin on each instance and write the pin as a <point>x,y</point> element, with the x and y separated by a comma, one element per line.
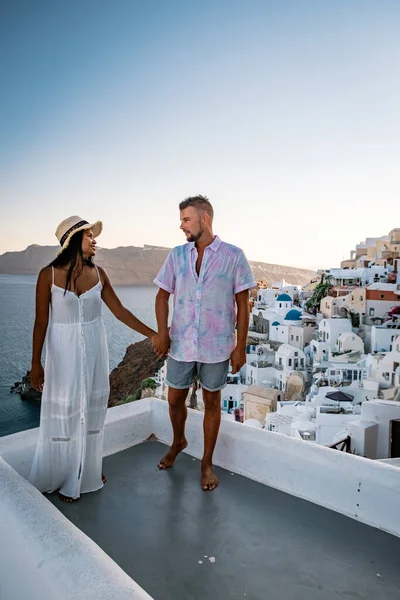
<point>200,203</point>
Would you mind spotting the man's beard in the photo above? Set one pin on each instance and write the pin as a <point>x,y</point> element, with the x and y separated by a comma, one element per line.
<point>194,237</point>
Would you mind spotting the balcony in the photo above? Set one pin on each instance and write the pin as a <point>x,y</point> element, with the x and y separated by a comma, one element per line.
<point>261,364</point>
<point>151,534</point>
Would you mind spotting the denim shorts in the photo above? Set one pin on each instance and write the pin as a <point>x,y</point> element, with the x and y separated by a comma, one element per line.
<point>212,376</point>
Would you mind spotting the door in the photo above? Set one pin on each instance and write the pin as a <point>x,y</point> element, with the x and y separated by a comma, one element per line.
<point>395,438</point>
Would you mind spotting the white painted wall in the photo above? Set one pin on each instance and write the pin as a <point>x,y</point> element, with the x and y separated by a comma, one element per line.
<point>382,338</point>
<point>381,412</point>
<point>279,333</point>
<point>328,425</point>
<point>256,375</point>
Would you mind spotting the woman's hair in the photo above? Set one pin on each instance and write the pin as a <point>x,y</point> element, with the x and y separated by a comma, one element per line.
<point>70,257</point>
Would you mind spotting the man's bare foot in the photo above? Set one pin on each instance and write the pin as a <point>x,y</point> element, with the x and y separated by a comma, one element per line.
<point>103,478</point>
<point>66,498</point>
<point>209,480</point>
<point>169,459</point>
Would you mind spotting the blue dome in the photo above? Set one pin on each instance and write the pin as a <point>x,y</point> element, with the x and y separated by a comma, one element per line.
<point>284,298</point>
<point>293,315</point>
<point>275,323</point>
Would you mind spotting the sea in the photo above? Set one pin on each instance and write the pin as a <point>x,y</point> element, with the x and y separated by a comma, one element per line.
<point>17,313</point>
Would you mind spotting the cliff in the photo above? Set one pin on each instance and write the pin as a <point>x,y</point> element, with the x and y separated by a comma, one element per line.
<point>131,265</point>
<point>139,363</point>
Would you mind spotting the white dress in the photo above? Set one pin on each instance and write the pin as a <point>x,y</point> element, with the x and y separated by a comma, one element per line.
<point>69,453</point>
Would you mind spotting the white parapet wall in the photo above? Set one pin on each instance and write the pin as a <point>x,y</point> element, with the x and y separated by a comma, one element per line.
<point>351,485</point>
<point>56,560</point>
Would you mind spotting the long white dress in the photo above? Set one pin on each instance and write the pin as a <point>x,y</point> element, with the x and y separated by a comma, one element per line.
<point>69,452</point>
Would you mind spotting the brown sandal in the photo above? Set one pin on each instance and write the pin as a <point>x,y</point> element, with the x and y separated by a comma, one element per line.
<point>67,498</point>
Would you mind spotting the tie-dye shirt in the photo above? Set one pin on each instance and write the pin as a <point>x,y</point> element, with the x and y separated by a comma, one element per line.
<point>204,316</point>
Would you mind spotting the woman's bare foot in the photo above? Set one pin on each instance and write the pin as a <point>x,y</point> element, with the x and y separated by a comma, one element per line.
<point>103,478</point>
<point>168,460</point>
<point>66,498</point>
<point>209,480</point>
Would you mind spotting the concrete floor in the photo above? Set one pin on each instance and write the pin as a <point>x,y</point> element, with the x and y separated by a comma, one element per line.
<point>161,528</point>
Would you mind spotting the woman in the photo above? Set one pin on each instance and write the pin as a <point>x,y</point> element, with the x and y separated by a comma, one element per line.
<point>75,382</point>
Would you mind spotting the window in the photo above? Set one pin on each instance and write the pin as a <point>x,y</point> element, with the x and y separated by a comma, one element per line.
<point>290,362</point>
<point>292,337</point>
<point>297,338</point>
<point>386,376</point>
<point>382,295</point>
<point>296,353</point>
<point>371,312</point>
<point>361,298</point>
<point>327,336</point>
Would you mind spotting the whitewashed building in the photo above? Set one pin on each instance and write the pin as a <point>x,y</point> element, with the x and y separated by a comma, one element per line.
<point>384,368</point>
<point>376,434</point>
<point>329,331</point>
<point>382,337</point>
<point>259,365</point>
<point>287,360</point>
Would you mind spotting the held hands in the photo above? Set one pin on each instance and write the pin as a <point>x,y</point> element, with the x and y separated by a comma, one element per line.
<point>37,377</point>
<point>161,343</point>
<point>238,359</point>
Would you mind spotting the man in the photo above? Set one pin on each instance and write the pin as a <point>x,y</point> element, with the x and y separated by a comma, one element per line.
<point>210,281</point>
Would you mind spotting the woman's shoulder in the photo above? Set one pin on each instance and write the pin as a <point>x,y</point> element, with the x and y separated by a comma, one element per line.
<point>45,278</point>
<point>45,273</point>
<point>103,275</point>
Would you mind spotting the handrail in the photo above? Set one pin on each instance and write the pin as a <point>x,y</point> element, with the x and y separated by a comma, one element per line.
<point>344,444</point>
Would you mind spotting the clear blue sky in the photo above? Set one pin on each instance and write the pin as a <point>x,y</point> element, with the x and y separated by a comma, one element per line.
<point>285,113</point>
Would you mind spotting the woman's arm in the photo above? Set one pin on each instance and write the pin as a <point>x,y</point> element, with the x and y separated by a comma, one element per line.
<point>119,311</point>
<point>161,342</point>
<point>43,296</point>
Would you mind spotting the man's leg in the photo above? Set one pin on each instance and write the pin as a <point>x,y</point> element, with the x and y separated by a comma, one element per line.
<point>178,414</point>
<point>212,420</point>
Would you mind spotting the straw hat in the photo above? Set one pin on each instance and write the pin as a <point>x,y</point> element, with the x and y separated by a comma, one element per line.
<point>68,227</point>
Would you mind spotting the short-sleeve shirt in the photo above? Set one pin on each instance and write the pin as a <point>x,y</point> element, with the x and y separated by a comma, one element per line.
<point>204,316</point>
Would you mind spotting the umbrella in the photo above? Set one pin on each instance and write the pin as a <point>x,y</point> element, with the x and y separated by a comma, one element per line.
<point>340,396</point>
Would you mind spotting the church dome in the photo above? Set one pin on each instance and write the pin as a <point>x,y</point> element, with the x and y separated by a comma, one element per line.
<point>275,323</point>
<point>283,298</point>
<point>293,315</point>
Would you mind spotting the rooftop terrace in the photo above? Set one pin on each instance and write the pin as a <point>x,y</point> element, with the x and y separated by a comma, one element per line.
<point>162,529</point>
<point>277,526</point>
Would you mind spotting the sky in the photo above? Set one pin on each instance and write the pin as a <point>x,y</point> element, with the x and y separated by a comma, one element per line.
<point>284,113</point>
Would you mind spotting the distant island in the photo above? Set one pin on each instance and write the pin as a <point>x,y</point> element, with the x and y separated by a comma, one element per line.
<point>132,265</point>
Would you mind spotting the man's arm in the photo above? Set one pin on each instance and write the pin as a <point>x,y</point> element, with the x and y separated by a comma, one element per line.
<point>238,356</point>
<point>161,341</point>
